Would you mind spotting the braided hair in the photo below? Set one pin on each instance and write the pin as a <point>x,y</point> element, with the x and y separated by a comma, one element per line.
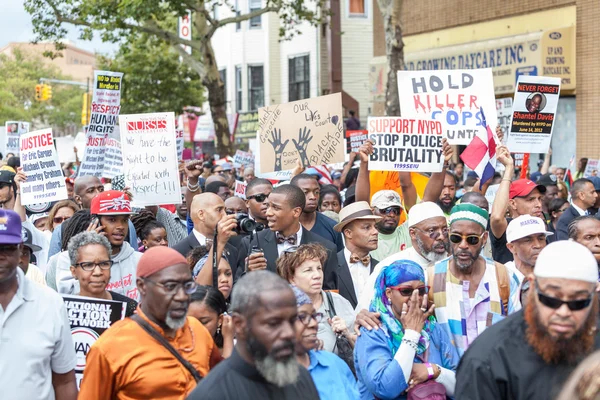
<point>140,221</point>
<point>79,222</point>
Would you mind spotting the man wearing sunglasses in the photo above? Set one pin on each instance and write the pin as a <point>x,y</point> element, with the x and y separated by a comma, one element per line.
<point>257,192</point>
<point>531,353</point>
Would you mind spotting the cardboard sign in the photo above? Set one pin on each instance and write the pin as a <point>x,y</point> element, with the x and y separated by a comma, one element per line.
<point>310,130</point>
<point>89,318</point>
<point>106,105</point>
<point>179,138</point>
<point>243,158</point>
<point>150,158</point>
<point>453,97</point>
<point>504,113</point>
<point>39,159</point>
<point>276,175</point>
<point>591,168</point>
<point>534,109</point>
<point>14,130</point>
<point>240,189</point>
<point>403,144</point>
<point>113,156</point>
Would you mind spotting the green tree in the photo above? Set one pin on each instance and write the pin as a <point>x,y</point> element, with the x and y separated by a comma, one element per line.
<point>391,12</point>
<point>154,79</point>
<point>117,20</point>
<point>18,76</point>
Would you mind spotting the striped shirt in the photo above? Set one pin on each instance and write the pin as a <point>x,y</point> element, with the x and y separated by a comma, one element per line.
<point>465,318</point>
<point>176,231</point>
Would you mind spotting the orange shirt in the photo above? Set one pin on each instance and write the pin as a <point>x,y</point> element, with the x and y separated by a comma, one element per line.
<point>127,363</point>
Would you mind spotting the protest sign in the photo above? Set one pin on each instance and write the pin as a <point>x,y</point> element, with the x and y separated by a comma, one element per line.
<point>65,148</point>
<point>243,158</point>
<point>504,114</point>
<point>240,189</point>
<point>403,144</point>
<point>310,130</point>
<point>275,175</point>
<point>13,131</point>
<point>89,318</point>
<point>591,168</point>
<point>354,139</point>
<point>453,97</point>
<point>113,156</point>
<point>150,158</point>
<point>106,105</point>
<point>39,160</point>
<point>179,138</point>
<point>534,108</point>
<point>490,194</point>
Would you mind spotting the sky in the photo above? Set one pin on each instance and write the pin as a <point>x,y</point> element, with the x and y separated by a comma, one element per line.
<point>16,26</point>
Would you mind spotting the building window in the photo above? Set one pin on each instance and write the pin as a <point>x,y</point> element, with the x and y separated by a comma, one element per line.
<point>238,88</point>
<point>357,8</point>
<point>223,76</point>
<point>299,78</point>
<point>238,25</point>
<point>256,87</point>
<point>255,22</point>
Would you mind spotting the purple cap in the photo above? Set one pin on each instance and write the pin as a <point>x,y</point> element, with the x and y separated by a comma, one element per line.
<point>10,227</point>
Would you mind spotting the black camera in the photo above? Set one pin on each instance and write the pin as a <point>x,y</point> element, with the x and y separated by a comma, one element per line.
<point>245,224</point>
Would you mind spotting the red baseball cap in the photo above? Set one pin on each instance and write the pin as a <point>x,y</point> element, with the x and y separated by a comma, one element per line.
<point>111,202</point>
<point>523,187</point>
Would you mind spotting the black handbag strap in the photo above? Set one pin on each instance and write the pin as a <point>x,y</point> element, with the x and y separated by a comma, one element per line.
<point>331,309</point>
<point>160,339</point>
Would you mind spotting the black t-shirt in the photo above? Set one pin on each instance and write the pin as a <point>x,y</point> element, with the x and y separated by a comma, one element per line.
<point>500,252</point>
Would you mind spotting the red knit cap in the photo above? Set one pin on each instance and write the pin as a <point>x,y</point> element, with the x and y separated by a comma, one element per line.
<point>158,258</point>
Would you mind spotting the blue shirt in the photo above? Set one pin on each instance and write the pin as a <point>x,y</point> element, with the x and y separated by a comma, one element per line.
<point>380,375</point>
<point>190,224</point>
<point>332,376</point>
<point>324,228</point>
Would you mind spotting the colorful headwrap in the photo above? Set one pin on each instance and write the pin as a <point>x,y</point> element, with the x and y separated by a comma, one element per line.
<point>301,297</point>
<point>396,274</point>
<point>469,212</point>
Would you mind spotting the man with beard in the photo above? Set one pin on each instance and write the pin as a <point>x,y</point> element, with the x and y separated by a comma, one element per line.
<point>447,198</point>
<point>8,190</point>
<point>531,353</point>
<point>550,182</point>
<point>521,197</point>
<point>583,196</point>
<point>357,223</point>
<point>136,357</point>
<point>263,364</point>
<point>468,290</point>
<point>428,230</point>
<point>392,238</point>
<point>585,230</point>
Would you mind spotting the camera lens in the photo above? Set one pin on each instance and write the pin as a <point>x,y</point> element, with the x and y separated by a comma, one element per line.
<point>245,224</point>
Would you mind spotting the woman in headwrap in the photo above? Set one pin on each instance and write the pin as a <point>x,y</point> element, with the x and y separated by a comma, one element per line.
<point>410,348</point>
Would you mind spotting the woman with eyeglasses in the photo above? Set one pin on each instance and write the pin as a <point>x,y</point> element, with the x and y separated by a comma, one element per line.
<point>303,267</point>
<point>89,253</point>
<point>60,212</point>
<point>332,377</point>
<point>410,348</point>
<point>556,208</point>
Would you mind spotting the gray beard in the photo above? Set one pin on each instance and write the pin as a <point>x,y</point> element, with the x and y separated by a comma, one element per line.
<point>175,324</point>
<point>430,256</point>
<point>278,373</point>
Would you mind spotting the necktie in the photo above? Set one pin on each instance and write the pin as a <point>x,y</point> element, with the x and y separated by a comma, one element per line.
<point>364,260</point>
<point>290,239</point>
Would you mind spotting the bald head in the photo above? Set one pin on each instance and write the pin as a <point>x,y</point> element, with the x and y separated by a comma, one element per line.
<point>235,205</point>
<point>207,209</point>
<point>214,178</point>
<point>85,189</point>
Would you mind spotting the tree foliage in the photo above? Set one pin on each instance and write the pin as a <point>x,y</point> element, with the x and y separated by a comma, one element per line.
<point>18,76</point>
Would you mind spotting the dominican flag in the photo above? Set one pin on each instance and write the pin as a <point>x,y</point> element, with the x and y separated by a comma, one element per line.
<point>480,154</point>
<point>568,178</point>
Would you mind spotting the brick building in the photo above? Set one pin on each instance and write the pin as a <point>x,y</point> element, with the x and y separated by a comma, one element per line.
<point>530,34</point>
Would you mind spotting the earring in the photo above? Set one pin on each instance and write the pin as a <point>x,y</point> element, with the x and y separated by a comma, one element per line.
<point>389,300</point>
<point>218,329</point>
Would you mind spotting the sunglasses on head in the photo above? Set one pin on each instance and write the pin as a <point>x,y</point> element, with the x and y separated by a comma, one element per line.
<point>258,197</point>
<point>555,304</point>
<point>390,210</point>
<point>471,239</point>
<point>407,291</point>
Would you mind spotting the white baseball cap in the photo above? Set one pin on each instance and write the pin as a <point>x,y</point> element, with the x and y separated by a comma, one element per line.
<point>567,259</point>
<point>525,225</point>
<point>422,211</point>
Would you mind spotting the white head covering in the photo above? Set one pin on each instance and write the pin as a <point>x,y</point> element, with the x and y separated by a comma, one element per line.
<point>422,211</point>
<point>525,225</point>
<point>567,260</point>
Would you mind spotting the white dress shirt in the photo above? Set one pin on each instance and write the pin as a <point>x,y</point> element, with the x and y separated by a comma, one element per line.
<point>200,237</point>
<point>359,272</point>
<point>581,211</point>
<point>285,245</point>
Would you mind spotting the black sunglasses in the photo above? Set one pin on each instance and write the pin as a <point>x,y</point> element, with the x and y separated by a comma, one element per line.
<point>554,303</point>
<point>471,239</point>
<point>389,210</point>
<point>258,197</point>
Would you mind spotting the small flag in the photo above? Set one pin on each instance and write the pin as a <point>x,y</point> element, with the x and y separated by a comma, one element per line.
<point>480,154</point>
<point>568,178</point>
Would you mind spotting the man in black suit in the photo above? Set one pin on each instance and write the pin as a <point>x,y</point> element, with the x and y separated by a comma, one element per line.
<point>583,196</point>
<point>207,212</point>
<point>284,207</point>
<point>357,224</point>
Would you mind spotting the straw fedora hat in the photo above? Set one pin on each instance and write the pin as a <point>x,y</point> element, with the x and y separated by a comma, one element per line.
<point>353,212</point>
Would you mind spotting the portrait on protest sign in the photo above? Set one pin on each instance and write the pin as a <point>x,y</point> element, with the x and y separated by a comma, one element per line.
<point>14,130</point>
<point>452,97</point>
<point>403,144</point>
<point>310,130</point>
<point>534,110</point>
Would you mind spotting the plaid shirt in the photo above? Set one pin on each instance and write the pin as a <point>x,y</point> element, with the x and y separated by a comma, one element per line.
<point>464,318</point>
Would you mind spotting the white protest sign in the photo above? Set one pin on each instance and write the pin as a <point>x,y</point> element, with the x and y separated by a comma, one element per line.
<point>106,105</point>
<point>13,131</point>
<point>179,137</point>
<point>504,114</point>
<point>534,110</point>
<point>243,158</point>
<point>453,97</point>
<point>591,168</point>
<point>39,159</point>
<point>64,147</point>
<point>113,156</point>
<point>150,158</point>
<point>240,189</point>
<point>403,144</point>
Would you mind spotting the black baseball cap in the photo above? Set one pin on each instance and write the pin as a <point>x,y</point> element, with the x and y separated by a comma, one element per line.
<point>548,180</point>
<point>7,177</point>
<point>28,241</point>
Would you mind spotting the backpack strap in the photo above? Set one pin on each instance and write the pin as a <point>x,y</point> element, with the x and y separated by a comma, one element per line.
<point>430,280</point>
<point>503,285</point>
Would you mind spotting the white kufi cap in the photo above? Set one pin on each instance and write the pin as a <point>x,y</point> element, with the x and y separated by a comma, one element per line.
<point>567,260</point>
<point>422,211</point>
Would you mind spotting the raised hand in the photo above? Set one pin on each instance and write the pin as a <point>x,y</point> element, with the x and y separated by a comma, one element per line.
<point>414,314</point>
<point>503,156</point>
<point>193,169</point>
<point>365,150</point>
<point>448,151</point>
<point>304,139</point>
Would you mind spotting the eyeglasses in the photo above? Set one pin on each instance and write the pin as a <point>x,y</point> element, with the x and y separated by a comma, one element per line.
<point>472,240</point>
<point>434,233</point>
<point>407,291</point>
<point>305,318</point>
<point>555,304</point>
<point>60,220</point>
<point>258,197</point>
<point>90,266</point>
<point>189,287</point>
<point>390,210</point>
